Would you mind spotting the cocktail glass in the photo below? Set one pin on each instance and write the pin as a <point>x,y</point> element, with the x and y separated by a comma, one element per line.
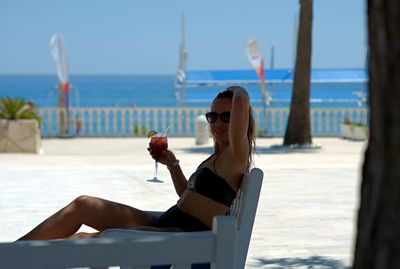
<point>157,145</point>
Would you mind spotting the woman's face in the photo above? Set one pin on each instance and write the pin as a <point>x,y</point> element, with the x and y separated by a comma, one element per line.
<point>220,129</point>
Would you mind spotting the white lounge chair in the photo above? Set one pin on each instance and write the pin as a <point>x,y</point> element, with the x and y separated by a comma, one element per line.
<point>224,247</point>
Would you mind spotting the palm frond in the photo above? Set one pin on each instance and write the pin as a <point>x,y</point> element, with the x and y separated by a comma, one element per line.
<point>17,108</point>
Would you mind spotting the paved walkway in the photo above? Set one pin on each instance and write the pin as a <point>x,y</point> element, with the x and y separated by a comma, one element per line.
<point>307,211</point>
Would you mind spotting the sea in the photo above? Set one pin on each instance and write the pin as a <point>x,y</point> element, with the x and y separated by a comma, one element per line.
<point>160,91</point>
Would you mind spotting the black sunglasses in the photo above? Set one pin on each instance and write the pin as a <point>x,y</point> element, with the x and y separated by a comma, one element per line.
<point>212,117</point>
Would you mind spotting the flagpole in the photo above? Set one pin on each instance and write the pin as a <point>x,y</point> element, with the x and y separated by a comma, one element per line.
<point>61,111</point>
<point>59,53</point>
<point>264,103</point>
<point>183,57</point>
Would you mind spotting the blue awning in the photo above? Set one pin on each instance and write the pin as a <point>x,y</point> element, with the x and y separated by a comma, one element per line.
<point>222,77</point>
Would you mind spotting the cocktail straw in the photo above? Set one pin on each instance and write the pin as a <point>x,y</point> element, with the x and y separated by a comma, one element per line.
<point>166,129</point>
<point>169,125</point>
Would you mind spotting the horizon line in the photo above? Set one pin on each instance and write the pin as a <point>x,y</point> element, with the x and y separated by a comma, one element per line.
<point>165,74</point>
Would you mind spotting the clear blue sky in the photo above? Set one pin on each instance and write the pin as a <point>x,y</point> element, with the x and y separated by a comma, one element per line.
<point>142,37</point>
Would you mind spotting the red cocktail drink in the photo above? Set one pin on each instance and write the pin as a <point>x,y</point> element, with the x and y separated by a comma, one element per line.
<point>158,144</point>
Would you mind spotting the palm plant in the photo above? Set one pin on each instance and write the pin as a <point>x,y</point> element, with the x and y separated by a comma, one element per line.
<point>17,109</point>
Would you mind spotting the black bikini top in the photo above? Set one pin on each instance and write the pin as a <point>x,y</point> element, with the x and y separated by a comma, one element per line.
<point>205,182</point>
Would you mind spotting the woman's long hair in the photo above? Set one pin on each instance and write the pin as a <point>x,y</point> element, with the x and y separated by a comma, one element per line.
<point>251,138</point>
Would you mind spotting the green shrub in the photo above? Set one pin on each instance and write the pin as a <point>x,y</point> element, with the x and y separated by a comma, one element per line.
<point>348,121</point>
<point>18,109</point>
<point>136,131</point>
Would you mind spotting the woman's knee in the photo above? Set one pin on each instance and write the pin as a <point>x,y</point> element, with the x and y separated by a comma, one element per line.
<point>83,202</point>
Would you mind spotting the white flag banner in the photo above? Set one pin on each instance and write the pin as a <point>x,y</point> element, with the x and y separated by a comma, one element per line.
<point>59,52</point>
<point>254,55</point>
<point>257,61</point>
<point>60,56</point>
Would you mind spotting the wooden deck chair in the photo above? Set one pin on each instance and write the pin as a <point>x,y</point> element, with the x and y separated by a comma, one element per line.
<point>243,210</point>
<point>224,247</point>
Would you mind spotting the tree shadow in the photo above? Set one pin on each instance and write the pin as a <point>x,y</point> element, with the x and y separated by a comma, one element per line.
<point>209,150</point>
<point>308,262</point>
<point>274,149</point>
<point>281,149</point>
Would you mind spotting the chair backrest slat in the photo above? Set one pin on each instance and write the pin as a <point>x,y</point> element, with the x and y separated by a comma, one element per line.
<point>244,209</point>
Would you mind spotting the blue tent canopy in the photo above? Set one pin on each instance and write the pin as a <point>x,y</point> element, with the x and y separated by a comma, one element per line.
<point>218,77</point>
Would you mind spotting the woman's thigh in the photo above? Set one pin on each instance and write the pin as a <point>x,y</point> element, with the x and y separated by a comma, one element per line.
<point>101,214</point>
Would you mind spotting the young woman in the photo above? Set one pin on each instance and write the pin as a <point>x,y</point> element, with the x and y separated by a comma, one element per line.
<point>209,191</point>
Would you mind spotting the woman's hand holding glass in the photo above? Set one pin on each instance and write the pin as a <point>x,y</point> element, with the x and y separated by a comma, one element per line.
<point>157,145</point>
<point>165,157</point>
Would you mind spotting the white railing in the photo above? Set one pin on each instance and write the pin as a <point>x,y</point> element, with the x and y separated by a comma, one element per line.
<point>137,121</point>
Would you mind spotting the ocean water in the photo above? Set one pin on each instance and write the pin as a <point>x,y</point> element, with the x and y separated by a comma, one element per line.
<point>159,90</point>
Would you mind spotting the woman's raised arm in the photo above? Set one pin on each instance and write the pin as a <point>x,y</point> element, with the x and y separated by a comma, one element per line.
<point>239,123</point>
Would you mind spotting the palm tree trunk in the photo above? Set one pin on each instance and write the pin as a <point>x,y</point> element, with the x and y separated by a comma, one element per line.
<point>378,227</point>
<point>298,130</point>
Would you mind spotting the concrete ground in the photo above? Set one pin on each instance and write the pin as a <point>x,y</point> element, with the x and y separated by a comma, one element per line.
<point>305,219</point>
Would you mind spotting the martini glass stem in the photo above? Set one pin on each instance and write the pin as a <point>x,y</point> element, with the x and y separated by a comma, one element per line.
<point>155,174</point>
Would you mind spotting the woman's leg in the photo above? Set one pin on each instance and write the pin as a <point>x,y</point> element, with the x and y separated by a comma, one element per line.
<point>94,212</point>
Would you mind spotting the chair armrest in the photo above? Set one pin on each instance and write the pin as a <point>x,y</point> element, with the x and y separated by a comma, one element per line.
<point>168,248</point>
<point>132,249</point>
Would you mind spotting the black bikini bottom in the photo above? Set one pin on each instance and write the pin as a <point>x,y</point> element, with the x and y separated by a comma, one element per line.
<point>174,217</point>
